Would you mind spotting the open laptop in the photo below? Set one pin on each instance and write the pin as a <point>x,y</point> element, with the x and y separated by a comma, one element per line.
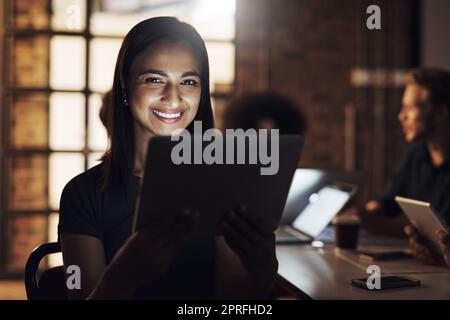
<point>304,183</point>
<point>314,218</point>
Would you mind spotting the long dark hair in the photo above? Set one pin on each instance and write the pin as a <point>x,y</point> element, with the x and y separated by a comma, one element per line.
<point>119,159</point>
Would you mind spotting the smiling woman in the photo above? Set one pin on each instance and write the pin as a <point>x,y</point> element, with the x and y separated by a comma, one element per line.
<point>165,87</point>
<point>161,83</point>
<point>162,68</point>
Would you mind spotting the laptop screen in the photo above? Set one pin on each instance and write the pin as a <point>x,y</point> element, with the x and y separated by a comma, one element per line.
<point>304,183</point>
<point>321,209</point>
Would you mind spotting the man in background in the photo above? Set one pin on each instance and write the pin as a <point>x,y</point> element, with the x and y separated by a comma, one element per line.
<point>424,173</point>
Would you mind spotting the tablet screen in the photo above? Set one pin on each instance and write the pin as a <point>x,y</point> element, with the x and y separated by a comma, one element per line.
<point>423,217</point>
<point>321,209</point>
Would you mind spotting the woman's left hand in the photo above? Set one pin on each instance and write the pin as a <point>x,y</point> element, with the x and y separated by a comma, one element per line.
<point>254,244</point>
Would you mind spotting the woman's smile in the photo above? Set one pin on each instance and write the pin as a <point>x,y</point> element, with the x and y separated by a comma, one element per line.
<point>168,117</point>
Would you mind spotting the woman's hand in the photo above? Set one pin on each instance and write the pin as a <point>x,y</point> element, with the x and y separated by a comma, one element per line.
<point>444,242</point>
<point>420,249</point>
<point>255,246</point>
<point>145,256</point>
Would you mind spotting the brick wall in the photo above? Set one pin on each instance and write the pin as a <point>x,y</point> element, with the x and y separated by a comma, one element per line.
<point>310,49</point>
<point>307,49</point>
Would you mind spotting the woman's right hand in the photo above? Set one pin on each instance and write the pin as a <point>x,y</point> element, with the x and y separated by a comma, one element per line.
<point>145,256</point>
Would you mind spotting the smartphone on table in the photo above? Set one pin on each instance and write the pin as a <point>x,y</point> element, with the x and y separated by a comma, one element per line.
<point>388,282</point>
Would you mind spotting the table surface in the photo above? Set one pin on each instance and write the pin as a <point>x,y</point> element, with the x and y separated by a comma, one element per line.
<point>326,273</point>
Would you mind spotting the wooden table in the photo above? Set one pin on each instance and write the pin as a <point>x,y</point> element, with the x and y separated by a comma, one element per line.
<point>326,273</point>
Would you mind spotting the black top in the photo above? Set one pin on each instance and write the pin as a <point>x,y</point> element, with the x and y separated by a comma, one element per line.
<point>86,209</point>
<point>418,178</point>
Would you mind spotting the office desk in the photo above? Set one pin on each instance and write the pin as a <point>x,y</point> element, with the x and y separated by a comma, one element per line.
<point>325,273</point>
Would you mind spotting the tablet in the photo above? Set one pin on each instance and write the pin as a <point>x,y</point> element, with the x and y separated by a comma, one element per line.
<point>424,218</point>
<point>215,189</point>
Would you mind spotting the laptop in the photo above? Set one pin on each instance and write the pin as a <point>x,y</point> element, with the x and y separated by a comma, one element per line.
<point>312,221</point>
<point>304,183</point>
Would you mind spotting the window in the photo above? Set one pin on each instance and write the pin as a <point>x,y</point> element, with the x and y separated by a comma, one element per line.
<point>60,57</point>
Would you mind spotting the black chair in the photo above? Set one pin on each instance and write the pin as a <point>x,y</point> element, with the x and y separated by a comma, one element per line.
<point>51,284</point>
